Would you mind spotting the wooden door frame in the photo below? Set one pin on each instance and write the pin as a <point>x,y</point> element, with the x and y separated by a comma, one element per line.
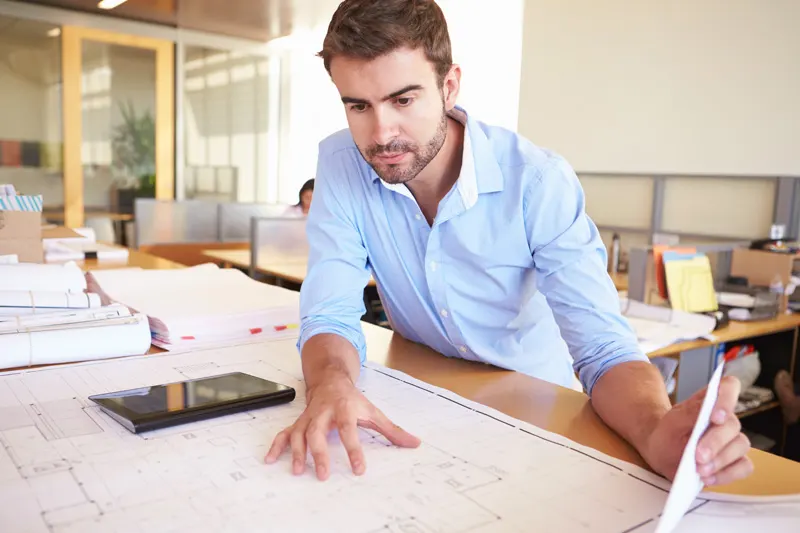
<point>72,38</point>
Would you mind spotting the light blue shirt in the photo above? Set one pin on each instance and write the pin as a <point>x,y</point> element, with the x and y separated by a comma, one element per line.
<point>511,268</point>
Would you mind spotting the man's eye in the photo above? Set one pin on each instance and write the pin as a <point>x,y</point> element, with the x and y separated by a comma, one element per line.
<point>405,101</point>
<point>358,108</point>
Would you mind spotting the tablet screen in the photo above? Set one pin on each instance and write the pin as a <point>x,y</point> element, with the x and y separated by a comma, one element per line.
<point>184,395</point>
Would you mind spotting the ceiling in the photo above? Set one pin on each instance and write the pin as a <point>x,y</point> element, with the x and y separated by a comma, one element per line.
<point>260,20</point>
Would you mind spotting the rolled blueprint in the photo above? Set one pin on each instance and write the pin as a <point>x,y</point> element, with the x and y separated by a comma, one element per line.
<point>41,277</point>
<point>48,299</point>
<point>117,337</point>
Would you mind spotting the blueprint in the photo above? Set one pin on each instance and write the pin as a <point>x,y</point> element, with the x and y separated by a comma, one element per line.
<point>67,467</point>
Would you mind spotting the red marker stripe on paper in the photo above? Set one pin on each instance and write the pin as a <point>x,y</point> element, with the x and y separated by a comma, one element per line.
<point>255,331</point>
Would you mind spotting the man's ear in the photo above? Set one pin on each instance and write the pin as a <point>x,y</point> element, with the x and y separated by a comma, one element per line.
<point>450,87</point>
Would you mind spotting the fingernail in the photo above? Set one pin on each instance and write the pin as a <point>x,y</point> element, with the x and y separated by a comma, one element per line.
<point>296,467</point>
<point>710,480</point>
<point>706,469</point>
<point>704,455</point>
<point>719,416</point>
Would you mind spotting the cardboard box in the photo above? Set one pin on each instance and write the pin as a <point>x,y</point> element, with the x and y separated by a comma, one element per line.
<point>21,234</point>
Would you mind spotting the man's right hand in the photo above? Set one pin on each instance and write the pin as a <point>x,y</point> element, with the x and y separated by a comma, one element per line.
<point>335,403</point>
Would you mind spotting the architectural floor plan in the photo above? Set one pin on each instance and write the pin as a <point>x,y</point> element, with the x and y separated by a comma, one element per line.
<point>67,467</point>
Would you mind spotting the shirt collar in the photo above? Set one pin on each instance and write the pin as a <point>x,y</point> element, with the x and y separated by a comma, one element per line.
<point>480,172</point>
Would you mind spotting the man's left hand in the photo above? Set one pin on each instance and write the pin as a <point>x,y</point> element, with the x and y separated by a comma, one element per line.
<point>722,451</point>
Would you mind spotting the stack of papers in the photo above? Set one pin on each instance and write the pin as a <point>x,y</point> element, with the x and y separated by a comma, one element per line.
<point>47,317</point>
<point>37,302</point>
<point>657,327</point>
<point>39,277</point>
<point>67,337</point>
<point>202,305</point>
<point>83,247</point>
<point>32,288</point>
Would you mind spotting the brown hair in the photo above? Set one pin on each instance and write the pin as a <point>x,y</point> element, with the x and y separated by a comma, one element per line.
<point>367,29</point>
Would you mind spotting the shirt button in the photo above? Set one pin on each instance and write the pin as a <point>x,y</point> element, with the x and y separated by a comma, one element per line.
<point>433,266</point>
<point>418,216</point>
<point>462,349</point>
<point>444,313</point>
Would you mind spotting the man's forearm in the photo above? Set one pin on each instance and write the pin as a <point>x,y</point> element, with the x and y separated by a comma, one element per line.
<point>631,398</point>
<point>329,356</point>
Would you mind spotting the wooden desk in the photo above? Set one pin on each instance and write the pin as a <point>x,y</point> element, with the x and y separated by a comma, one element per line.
<point>134,259</point>
<point>290,270</point>
<point>550,407</point>
<point>620,281</point>
<point>57,215</point>
<point>733,332</point>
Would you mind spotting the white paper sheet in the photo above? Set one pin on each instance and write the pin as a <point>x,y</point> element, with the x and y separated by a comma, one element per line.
<point>42,277</point>
<point>9,259</point>
<point>65,466</point>
<point>61,318</point>
<point>116,337</point>
<point>687,483</point>
<point>201,305</point>
<point>656,327</point>
<point>76,249</point>
<point>47,299</point>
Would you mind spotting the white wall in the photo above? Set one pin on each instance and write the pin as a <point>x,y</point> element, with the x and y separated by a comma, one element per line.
<point>678,87</point>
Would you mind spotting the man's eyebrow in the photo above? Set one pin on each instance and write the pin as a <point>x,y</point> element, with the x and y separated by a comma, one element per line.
<point>406,89</point>
<point>395,94</point>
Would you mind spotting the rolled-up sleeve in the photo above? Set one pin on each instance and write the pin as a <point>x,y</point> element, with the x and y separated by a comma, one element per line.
<point>331,297</point>
<point>570,262</point>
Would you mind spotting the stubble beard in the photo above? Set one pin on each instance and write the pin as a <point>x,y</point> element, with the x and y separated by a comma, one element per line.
<point>420,155</point>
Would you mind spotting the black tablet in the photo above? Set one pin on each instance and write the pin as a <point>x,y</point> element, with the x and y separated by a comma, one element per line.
<point>167,405</point>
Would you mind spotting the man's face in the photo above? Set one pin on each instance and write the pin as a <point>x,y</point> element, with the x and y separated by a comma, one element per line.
<point>396,110</point>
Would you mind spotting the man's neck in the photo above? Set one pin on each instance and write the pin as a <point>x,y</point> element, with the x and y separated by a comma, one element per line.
<point>438,177</point>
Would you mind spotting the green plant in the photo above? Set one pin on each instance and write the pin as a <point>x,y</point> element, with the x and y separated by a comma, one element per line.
<point>134,146</point>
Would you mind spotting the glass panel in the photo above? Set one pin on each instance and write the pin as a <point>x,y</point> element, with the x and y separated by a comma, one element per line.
<point>118,146</point>
<point>226,98</point>
<point>733,207</point>
<point>31,151</point>
<point>619,201</point>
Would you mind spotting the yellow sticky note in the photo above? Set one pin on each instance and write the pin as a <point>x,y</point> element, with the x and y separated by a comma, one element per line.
<point>691,285</point>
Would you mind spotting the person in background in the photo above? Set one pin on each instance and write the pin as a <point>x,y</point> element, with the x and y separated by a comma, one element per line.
<point>300,209</point>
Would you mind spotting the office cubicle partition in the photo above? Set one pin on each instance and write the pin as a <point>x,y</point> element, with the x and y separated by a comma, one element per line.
<point>196,221</point>
<point>174,222</point>
<point>234,219</point>
<point>277,239</point>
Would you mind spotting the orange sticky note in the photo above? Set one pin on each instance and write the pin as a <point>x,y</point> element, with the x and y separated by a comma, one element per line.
<point>658,262</point>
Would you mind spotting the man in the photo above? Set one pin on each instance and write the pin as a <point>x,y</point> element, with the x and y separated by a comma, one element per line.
<point>480,245</point>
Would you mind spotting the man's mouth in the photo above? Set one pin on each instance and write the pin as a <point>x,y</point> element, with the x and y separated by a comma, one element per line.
<point>391,159</point>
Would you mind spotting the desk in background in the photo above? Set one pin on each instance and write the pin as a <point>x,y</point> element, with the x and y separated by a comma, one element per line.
<point>293,270</point>
<point>134,259</point>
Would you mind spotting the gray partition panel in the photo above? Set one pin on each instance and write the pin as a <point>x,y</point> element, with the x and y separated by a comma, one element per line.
<point>277,239</point>
<point>175,221</point>
<point>234,219</point>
